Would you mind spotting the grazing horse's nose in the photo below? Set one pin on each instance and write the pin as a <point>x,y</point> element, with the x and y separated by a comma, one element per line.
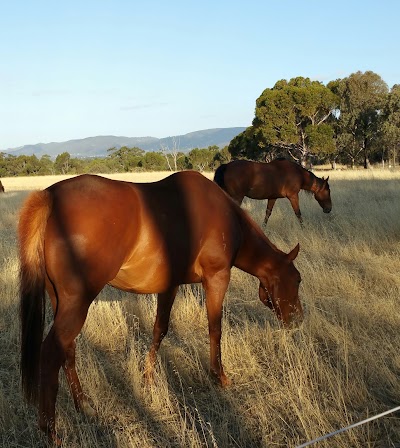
<point>294,320</point>
<point>327,209</point>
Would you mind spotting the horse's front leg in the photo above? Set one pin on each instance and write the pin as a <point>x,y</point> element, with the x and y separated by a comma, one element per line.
<point>294,200</point>
<point>164,305</point>
<point>216,286</point>
<point>268,211</point>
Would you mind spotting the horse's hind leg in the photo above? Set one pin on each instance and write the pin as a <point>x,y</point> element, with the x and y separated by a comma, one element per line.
<point>51,361</point>
<point>268,211</point>
<point>58,350</point>
<point>80,400</point>
<point>164,306</point>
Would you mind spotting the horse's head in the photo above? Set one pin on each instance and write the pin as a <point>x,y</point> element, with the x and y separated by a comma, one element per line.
<point>279,289</point>
<point>323,195</point>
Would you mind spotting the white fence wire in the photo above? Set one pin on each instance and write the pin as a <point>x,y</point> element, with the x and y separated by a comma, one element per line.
<point>326,436</point>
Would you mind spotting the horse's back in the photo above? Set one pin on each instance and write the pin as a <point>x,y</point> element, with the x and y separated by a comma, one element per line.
<point>258,180</point>
<point>287,176</point>
<point>255,180</point>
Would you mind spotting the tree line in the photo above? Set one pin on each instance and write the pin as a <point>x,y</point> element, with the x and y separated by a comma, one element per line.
<point>353,120</point>
<point>118,160</point>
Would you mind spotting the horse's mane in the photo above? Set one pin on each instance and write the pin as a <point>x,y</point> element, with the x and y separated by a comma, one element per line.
<point>313,179</point>
<point>247,221</point>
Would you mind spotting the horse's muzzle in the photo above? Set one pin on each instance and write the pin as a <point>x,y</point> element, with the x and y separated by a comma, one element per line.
<point>293,321</point>
<point>327,210</point>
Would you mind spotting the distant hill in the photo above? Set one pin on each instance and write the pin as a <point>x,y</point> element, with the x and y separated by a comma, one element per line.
<point>97,146</point>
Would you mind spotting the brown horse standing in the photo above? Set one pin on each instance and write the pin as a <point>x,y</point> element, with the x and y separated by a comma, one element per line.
<point>83,233</point>
<point>1,187</point>
<point>277,179</point>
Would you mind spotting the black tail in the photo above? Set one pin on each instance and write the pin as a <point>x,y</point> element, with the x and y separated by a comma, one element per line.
<point>219,175</point>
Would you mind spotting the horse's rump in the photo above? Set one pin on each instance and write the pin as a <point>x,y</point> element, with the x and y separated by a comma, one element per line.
<point>219,175</point>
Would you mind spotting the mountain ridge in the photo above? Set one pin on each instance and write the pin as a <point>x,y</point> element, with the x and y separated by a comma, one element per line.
<point>97,146</point>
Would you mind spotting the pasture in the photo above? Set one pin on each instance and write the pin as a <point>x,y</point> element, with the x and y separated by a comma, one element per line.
<point>340,366</point>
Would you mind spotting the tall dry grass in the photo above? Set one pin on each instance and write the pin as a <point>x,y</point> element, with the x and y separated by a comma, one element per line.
<point>341,366</point>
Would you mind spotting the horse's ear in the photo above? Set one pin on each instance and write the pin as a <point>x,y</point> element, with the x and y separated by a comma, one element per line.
<point>326,180</point>
<point>293,253</point>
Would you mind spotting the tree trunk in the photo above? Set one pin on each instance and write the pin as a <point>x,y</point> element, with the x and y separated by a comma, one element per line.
<point>366,159</point>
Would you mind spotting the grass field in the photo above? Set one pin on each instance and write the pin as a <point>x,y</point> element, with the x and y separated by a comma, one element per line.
<point>340,366</point>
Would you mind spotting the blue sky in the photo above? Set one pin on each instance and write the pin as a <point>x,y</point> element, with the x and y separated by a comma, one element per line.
<point>77,69</point>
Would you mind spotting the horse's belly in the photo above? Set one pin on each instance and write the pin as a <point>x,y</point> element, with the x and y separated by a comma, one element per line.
<point>144,277</point>
<point>153,275</point>
<point>260,192</point>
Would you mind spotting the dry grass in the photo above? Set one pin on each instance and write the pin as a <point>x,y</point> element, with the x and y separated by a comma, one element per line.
<point>341,366</point>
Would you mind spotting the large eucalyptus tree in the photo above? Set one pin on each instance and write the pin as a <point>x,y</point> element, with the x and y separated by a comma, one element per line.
<point>295,115</point>
<point>391,123</point>
<point>358,128</point>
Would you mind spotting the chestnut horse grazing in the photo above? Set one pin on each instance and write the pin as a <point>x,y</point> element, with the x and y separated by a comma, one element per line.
<point>83,233</point>
<point>280,178</point>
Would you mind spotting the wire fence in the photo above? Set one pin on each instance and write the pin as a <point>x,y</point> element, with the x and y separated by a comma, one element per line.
<point>354,425</point>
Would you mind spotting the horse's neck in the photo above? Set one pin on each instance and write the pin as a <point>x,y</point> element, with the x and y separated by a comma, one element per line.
<point>310,182</point>
<point>256,254</point>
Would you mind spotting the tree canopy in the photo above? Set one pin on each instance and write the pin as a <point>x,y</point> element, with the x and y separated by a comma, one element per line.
<point>294,116</point>
<point>362,98</point>
<point>352,119</point>
<point>391,123</point>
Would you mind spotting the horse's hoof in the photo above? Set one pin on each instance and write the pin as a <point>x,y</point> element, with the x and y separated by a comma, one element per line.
<point>87,409</point>
<point>225,382</point>
<point>221,380</point>
<point>52,437</point>
<point>49,430</point>
<point>148,377</point>
<point>55,440</point>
